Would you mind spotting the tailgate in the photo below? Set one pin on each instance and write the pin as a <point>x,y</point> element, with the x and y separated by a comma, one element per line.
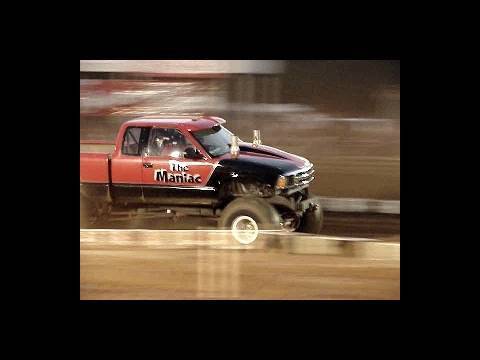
<point>94,168</point>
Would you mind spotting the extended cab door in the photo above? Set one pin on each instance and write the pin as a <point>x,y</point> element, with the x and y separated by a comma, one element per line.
<point>126,165</point>
<point>168,176</point>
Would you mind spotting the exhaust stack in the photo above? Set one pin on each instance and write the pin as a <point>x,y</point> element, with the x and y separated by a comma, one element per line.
<point>234,149</point>
<point>256,138</point>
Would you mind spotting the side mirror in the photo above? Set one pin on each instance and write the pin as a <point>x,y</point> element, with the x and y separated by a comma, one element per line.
<point>191,153</point>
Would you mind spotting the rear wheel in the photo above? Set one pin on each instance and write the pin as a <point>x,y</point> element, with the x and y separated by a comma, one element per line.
<point>87,211</point>
<point>91,212</point>
<point>246,217</point>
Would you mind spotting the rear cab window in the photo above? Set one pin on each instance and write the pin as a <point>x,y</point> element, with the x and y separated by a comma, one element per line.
<point>133,140</point>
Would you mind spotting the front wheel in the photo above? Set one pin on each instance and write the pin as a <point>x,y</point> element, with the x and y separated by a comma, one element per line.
<point>312,220</point>
<point>246,217</point>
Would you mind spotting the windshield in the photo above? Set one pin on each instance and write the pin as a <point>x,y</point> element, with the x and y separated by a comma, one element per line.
<point>216,140</point>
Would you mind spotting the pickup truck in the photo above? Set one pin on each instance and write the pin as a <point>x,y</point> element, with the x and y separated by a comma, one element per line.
<point>196,167</point>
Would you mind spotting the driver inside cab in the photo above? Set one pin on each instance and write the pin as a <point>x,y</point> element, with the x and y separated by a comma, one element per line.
<point>167,143</point>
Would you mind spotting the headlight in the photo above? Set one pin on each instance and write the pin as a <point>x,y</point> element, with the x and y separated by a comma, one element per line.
<point>281,182</point>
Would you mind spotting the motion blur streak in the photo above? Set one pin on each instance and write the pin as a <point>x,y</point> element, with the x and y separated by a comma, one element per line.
<point>218,278</point>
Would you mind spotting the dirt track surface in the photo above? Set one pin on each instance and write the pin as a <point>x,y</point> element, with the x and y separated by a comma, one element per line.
<point>110,270</point>
<point>233,274</point>
<point>378,226</point>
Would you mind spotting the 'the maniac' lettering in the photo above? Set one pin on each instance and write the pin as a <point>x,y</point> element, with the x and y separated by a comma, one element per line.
<point>163,175</point>
<point>176,166</point>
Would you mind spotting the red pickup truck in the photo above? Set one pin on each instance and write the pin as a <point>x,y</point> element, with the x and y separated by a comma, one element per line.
<point>196,167</point>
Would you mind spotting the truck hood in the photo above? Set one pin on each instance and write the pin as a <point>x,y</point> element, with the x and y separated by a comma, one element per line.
<point>264,159</point>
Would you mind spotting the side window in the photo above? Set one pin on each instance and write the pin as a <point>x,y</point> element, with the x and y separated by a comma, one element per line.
<point>167,143</point>
<point>131,141</point>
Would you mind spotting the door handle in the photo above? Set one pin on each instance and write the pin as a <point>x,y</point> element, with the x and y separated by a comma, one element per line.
<point>147,165</point>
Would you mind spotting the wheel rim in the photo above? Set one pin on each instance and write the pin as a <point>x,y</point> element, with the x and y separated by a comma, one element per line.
<point>245,229</point>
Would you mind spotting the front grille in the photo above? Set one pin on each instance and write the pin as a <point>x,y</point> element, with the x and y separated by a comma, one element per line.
<point>301,177</point>
<point>304,177</point>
